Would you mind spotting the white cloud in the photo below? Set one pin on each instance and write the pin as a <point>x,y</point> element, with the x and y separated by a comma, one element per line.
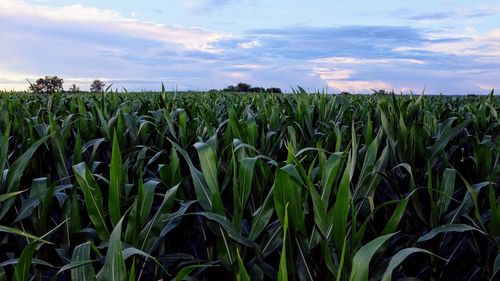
<point>342,80</point>
<point>468,43</point>
<point>82,43</point>
<point>114,23</point>
<point>364,61</point>
<point>354,86</point>
<point>333,74</point>
<point>248,66</point>
<point>72,12</point>
<point>235,75</point>
<point>250,44</point>
<point>488,87</point>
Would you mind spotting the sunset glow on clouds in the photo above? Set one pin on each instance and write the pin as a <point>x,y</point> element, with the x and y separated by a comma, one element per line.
<point>205,44</point>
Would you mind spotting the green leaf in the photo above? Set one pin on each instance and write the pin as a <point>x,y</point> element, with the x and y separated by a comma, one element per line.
<point>241,191</point>
<point>446,135</point>
<point>7,196</point>
<point>319,211</point>
<point>329,174</point>
<point>11,230</point>
<point>340,211</point>
<point>23,266</point>
<point>131,251</point>
<point>16,171</point>
<point>242,274</point>
<point>398,258</point>
<point>282,271</point>
<point>261,217</point>
<point>369,160</point>
<point>34,261</point>
<point>93,199</point>
<point>203,193</point>
<point>447,228</point>
<point>362,258</point>
<point>394,220</point>
<point>58,147</point>
<point>77,150</point>
<point>149,234</point>
<point>208,164</point>
<point>115,182</point>
<point>114,265</point>
<point>342,260</point>
<point>448,188</point>
<point>140,209</point>
<point>74,213</point>
<point>304,269</point>
<point>185,271</point>
<point>4,150</point>
<point>81,265</point>
<point>131,275</point>
<point>228,227</point>
<point>288,192</point>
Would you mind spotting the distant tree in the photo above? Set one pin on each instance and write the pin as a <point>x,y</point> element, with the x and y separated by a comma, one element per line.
<point>274,90</point>
<point>97,86</point>
<point>380,92</point>
<point>38,87</point>
<point>74,89</point>
<point>230,88</point>
<point>247,88</point>
<point>243,87</point>
<point>47,85</point>
<point>257,90</point>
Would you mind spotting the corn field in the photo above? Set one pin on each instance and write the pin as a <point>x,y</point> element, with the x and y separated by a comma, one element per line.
<point>220,186</point>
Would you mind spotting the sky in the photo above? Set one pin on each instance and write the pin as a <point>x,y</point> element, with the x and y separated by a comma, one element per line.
<point>441,46</point>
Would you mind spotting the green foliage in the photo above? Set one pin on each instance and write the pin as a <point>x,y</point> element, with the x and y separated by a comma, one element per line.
<point>47,85</point>
<point>266,186</point>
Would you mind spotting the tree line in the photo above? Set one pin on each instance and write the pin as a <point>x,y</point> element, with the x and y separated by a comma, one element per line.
<point>54,84</point>
<point>247,88</point>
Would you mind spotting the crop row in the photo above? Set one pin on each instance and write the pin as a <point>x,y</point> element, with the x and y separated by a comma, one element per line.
<point>227,186</point>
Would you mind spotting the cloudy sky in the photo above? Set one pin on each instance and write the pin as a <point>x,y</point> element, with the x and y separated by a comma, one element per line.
<point>444,46</point>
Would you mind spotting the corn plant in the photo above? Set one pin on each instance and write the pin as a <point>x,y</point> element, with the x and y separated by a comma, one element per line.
<point>223,186</point>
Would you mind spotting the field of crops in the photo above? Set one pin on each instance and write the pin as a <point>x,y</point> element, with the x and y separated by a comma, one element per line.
<point>158,186</point>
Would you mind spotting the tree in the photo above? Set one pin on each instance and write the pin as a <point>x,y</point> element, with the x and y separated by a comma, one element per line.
<point>47,85</point>
<point>274,90</point>
<point>243,87</point>
<point>74,89</point>
<point>257,90</point>
<point>97,86</point>
<point>230,88</point>
<point>247,88</point>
